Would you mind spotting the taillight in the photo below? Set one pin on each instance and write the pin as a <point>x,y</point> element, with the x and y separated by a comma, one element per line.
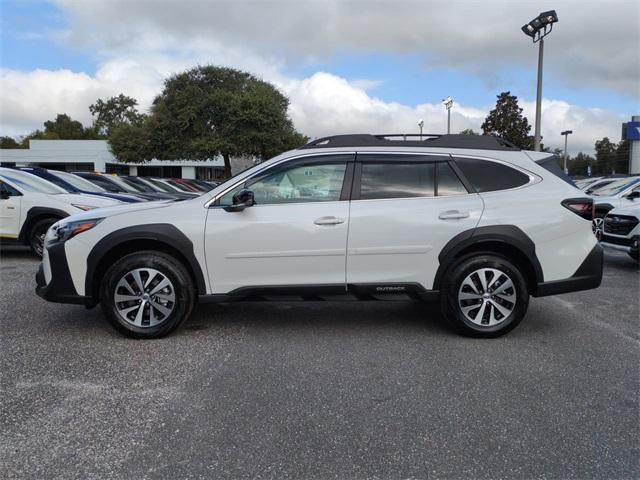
<point>583,207</point>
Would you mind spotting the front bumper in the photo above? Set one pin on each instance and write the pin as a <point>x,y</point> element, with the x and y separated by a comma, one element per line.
<point>588,276</point>
<point>60,288</point>
<point>626,244</point>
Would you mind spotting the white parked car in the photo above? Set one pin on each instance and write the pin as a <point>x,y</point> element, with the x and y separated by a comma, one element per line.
<point>470,220</point>
<point>29,205</point>
<point>621,193</point>
<point>621,230</point>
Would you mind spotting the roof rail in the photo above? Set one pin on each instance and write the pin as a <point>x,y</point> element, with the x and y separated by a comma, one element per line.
<point>481,142</point>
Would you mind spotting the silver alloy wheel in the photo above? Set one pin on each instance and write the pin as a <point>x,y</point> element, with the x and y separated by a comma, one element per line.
<point>487,297</point>
<point>144,297</point>
<point>596,226</point>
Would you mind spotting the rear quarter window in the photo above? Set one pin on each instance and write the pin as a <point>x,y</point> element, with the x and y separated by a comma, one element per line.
<point>488,176</point>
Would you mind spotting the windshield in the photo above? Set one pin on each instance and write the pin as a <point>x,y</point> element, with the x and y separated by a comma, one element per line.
<point>78,182</point>
<point>179,187</point>
<point>128,186</point>
<point>161,186</point>
<point>615,187</point>
<point>32,183</point>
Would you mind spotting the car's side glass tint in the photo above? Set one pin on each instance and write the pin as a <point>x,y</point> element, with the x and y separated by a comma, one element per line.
<point>487,176</point>
<point>448,182</point>
<point>9,190</point>
<point>397,180</point>
<point>311,181</point>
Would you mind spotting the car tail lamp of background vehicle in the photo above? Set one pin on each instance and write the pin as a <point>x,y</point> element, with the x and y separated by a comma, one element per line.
<point>583,207</point>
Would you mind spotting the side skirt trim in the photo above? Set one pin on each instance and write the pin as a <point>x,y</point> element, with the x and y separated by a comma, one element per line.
<point>366,291</point>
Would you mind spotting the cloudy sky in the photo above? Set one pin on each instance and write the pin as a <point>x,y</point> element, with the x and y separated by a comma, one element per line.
<point>358,66</point>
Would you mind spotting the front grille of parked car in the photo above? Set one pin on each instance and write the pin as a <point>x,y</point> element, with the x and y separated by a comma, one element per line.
<point>619,224</point>
<point>626,242</point>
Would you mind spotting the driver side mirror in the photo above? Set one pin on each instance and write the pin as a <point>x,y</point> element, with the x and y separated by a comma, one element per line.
<point>4,195</point>
<point>633,195</point>
<point>241,200</point>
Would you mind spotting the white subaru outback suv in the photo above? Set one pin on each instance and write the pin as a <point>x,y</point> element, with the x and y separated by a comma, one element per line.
<point>470,220</point>
<point>621,230</point>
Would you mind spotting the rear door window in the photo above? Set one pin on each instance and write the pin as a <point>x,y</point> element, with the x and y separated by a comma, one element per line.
<point>397,180</point>
<point>448,182</point>
<point>488,176</point>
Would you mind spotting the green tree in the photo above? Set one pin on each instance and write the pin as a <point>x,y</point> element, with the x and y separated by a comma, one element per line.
<point>131,142</point>
<point>115,111</point>
<point>579,165</point>
<point>64,128</point>
<point>468,131</point>
<point>622,156</point>
<point>605,156</point>
<point>507,121</point>
<point>208,111</point>
<point>38,135</point>
<point>8,142</point>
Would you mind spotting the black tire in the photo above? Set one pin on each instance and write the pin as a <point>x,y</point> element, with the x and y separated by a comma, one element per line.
<point>452,283</point>
<point>182,287</point>
<point>635,256</point>
<point>37,232</point>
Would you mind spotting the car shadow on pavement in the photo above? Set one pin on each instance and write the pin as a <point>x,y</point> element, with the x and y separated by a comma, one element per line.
<point>311,315</point>
<point>17,252</point>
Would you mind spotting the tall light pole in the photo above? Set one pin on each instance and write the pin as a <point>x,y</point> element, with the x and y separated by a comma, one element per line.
<point>566,134</point>
<point>448,103</point>
<point>537,29</point>
<point>421,124</point>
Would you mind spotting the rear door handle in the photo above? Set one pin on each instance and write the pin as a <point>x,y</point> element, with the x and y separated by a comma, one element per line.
<point>329,221</point>
<point>453,215</point>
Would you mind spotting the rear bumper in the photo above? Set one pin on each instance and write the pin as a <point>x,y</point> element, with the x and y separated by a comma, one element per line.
<point>588,276</point>
<point>60,289</point>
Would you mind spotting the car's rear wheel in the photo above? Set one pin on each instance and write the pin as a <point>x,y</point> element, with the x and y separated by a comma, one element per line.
<point>147,294</point>
<point>484,295</point>
<point>38,232</point>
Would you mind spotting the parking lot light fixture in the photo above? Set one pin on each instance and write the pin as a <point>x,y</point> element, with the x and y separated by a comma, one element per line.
<point>448,103</point>
<point>537,29</point>
<point>566,134</point>
<point>420,125</point>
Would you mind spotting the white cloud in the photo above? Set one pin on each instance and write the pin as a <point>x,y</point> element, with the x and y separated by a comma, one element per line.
<point>321,104</point>
<point>591,46</point>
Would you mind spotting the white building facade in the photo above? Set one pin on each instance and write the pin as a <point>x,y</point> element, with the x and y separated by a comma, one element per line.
<point>95,155</point>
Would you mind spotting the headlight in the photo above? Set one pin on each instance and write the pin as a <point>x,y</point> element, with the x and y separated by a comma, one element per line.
<point>68,230</point>
<point>84,208</point>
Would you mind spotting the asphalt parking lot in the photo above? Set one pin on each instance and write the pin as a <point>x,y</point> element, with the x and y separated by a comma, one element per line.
<point>321,390</point>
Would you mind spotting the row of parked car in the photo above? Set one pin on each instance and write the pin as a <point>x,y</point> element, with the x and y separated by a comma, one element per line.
<point>33,198</point>
<point>616,221</point>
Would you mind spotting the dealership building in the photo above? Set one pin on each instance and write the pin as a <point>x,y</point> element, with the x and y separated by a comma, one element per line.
<point>95,155</point>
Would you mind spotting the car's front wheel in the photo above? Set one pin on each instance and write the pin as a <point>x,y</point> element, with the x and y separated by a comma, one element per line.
<point>484,296</point>
<point>597,224</point>
<point>38,232</point>
<point>147,294</point>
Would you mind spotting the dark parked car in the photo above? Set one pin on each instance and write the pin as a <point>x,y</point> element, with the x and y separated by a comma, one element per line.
<point>149,185</point>
<point>74,184</point>
<point>113,183</point>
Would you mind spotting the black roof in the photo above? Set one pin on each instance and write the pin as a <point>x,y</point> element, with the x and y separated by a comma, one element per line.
<point>481,142</point>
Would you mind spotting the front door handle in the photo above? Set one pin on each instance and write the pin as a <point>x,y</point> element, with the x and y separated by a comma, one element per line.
<point>329,221</point>
<point>453,215</point>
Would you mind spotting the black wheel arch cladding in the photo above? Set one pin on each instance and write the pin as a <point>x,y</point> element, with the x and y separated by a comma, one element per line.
<point>509,235</point>
<point>36,213</point>
<point>163,233</point>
